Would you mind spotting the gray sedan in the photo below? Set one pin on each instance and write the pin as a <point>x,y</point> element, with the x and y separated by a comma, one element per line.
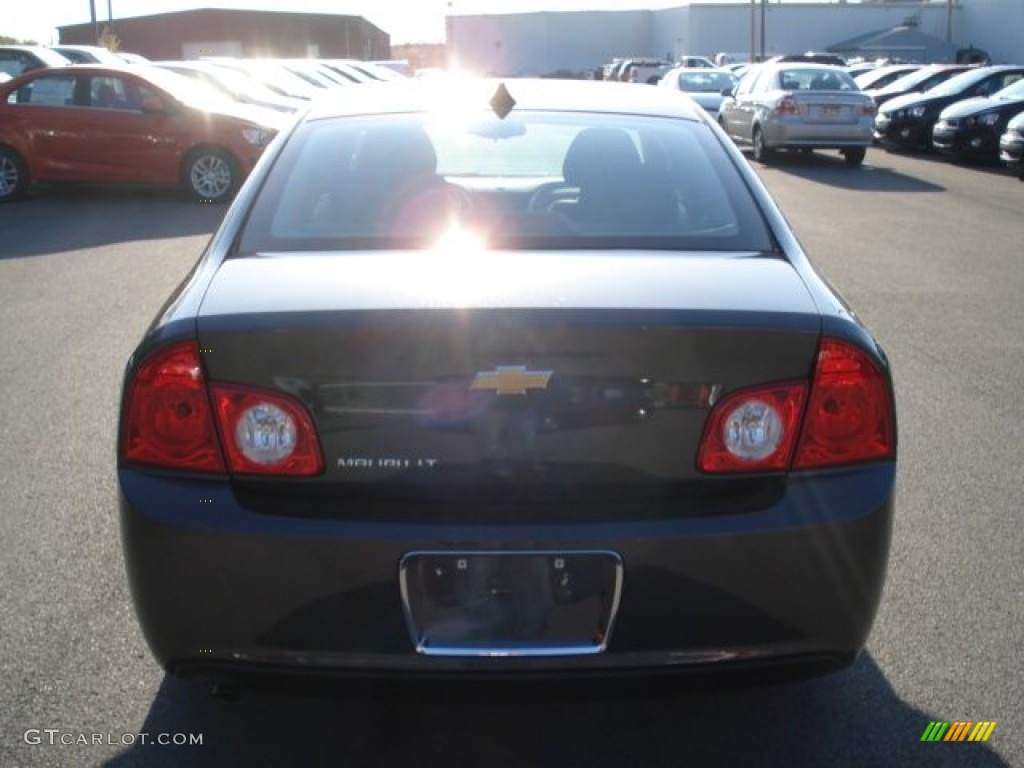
<point>799,106</point>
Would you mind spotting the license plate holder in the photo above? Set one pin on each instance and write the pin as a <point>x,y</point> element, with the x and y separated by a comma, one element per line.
<point>473,603</point>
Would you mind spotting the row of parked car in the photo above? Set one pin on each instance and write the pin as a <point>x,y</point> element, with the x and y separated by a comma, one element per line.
<point>198,124</point>
<point>964,112</point>
<point>967,112</point>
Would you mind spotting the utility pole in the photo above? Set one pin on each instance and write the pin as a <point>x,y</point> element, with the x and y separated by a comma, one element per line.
<point>764,6</point>
<point>95,26</point>
<point>753,27</point>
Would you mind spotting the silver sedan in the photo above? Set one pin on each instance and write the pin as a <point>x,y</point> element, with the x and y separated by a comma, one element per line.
<point>799,106</point>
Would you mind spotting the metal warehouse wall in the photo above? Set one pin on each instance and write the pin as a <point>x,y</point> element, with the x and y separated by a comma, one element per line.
<point>799,27</point>
<point>532,44</point>
<point>995,25</point>
<point>542,43</point>
<point>250,33</point>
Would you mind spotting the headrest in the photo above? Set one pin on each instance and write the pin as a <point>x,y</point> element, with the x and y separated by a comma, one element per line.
<point>394,150</point>
<point>599,153</point>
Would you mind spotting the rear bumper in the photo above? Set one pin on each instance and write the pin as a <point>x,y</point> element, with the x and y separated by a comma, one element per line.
<point>797,134</point>
<point>218,588</point>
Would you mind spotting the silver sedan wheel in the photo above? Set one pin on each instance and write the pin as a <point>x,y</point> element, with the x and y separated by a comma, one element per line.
<point>211,176</point>
<point>762,153</point>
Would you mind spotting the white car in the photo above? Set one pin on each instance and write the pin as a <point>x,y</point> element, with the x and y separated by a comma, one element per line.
<point>705,86</point>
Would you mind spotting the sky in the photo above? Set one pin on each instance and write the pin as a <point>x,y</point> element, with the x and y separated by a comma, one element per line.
<point>407,21</point>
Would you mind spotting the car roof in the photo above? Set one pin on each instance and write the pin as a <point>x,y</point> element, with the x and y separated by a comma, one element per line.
<point>142,71</point>
<point>44,54</point>
<point>471,94</point>
<point>809,66</point>
<point>86,68</point>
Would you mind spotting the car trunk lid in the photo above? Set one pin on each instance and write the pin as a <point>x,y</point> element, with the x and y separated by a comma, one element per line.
<point>563,373</point>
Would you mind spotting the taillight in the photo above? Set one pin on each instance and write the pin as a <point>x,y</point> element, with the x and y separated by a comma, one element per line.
<point>870,108</point>
<point>753,430</point>
<point>849,415</point>
<point>787,106</point>
<point>167,420</point>
<point>266,432</point>
<point>847,419</point>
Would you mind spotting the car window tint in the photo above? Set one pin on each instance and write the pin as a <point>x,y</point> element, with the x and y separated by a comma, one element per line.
<point>47,91</point>
<point>108,92</point>
<point>533,180</point>
<point>13,63</point>
<point>706,82</point>
<point>816,80</point>
<point>749,80</point>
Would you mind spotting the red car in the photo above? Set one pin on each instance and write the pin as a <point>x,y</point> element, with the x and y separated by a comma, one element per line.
<point>137,125</point>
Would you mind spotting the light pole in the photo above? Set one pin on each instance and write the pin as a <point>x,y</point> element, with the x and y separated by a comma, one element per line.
<point>764,6</point>
<point>753,29</point>
<point>95,26</point>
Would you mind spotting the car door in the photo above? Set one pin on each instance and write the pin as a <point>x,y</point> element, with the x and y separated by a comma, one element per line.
<point>740,117</point>
<point>40,120</point>
<point>128,131</point>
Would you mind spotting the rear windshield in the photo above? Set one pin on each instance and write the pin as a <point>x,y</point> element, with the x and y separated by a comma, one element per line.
<point>536,180</point>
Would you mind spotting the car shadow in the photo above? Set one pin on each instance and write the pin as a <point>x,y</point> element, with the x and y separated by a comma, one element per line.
<point>850,718</point>
<point>825,167</point>
<point>58,218</point>
<point>993,167</point>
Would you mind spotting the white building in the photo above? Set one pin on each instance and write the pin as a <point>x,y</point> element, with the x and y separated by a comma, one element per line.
<point>530,44</point>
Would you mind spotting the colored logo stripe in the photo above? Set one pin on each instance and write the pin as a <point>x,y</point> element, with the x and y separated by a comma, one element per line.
<point>982,731</point>
<point>958,730</point>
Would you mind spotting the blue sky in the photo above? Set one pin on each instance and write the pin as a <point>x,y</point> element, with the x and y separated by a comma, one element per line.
<point>405,20</point>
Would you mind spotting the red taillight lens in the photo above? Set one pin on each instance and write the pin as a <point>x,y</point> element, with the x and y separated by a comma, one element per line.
<point>167,419</point>
<point>753,430</point>
<point>168,422</point>
<point>787,106</point>
<point>849,414</point>
<point>266,432</point>
<point>848,419</point>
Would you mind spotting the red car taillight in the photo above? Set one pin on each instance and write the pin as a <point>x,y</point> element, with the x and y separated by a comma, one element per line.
<point>848,418</point>
<point>753,430</point>
<point>167,419</point>
<point>849,414</point>
<point>168,422</point>
<point>787,106</point>
<point>267,433</point>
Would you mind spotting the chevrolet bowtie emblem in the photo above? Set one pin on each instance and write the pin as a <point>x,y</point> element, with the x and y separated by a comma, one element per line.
<point>511,380</point>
